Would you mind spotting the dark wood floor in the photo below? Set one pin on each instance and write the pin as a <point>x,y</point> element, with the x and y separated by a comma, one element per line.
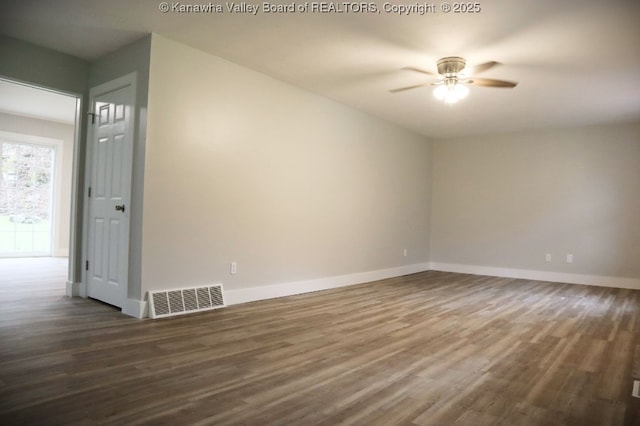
<point>426,349</point>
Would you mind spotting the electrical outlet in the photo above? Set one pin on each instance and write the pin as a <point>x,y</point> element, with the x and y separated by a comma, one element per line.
<point>234,268</point>
<point>569,258</point>
<point>547,257</point>
<point>404,253</point>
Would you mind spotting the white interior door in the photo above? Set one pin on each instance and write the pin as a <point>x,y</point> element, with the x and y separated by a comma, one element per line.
<point>111,150</point>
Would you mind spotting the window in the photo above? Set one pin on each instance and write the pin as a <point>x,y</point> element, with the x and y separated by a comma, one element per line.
<point>27,180</point>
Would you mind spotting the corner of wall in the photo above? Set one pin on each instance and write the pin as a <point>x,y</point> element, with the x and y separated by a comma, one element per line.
<point>430,164</point>
<point>136,308</point>
<point>75,289</point>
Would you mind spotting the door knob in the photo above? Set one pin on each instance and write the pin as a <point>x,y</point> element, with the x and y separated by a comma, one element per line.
<point>120,208</point>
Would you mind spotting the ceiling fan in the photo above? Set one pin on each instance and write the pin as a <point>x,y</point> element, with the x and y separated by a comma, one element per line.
<point>453,82</point>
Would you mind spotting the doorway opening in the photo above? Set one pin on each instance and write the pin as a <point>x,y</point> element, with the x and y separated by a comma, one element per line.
<point>38,132</point>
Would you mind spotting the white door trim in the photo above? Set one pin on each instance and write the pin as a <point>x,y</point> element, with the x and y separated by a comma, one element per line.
<point>126,80</point>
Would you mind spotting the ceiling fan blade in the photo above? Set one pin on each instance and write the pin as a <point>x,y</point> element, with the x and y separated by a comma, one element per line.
<point>483,67</point>
<point>418,70</point>
<point>488,82</point>
<point>409,87</point>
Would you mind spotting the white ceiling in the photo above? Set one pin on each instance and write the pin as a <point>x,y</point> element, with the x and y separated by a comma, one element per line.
<point>577,62</point>
<point>27,101</point>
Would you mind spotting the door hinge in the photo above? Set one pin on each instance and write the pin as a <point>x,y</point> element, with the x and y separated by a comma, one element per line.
<point>86,265</point>
<point>89,192</point>
<point>93,117</point>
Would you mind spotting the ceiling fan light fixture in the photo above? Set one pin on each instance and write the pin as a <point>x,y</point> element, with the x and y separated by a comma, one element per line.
<point>451,93</point>
<point>462,91</point>
<point>451,97</point>
<point>453,81</point>
<point>440,92</point>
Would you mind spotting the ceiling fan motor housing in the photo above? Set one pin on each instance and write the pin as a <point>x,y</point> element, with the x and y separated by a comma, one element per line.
<point>451,66</point>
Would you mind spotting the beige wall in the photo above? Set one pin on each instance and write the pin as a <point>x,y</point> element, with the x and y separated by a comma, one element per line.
<point>292,186</point>
<point>507,200</point>
<point>64,132</point>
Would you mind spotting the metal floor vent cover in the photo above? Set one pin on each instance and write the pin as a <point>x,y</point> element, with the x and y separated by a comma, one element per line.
<point>167,303</point>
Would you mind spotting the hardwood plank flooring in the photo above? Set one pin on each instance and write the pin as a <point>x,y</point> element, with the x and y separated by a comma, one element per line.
<point>431,348</point>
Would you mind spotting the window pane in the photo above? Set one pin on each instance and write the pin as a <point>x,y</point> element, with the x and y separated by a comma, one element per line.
<point>26,179</point>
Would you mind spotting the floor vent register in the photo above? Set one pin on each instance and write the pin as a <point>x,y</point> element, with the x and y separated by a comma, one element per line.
<point>167,303</point>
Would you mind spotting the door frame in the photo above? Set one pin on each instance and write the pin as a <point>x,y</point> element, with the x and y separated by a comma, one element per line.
<point>125,80</point>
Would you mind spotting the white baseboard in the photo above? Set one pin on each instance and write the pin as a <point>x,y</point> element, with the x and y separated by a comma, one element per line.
<point>139,309</point>
<point>73,289</point>
<point>135,308</point>
<point>76,289</point>
<point>560,277</point>
<point>251,294</point>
